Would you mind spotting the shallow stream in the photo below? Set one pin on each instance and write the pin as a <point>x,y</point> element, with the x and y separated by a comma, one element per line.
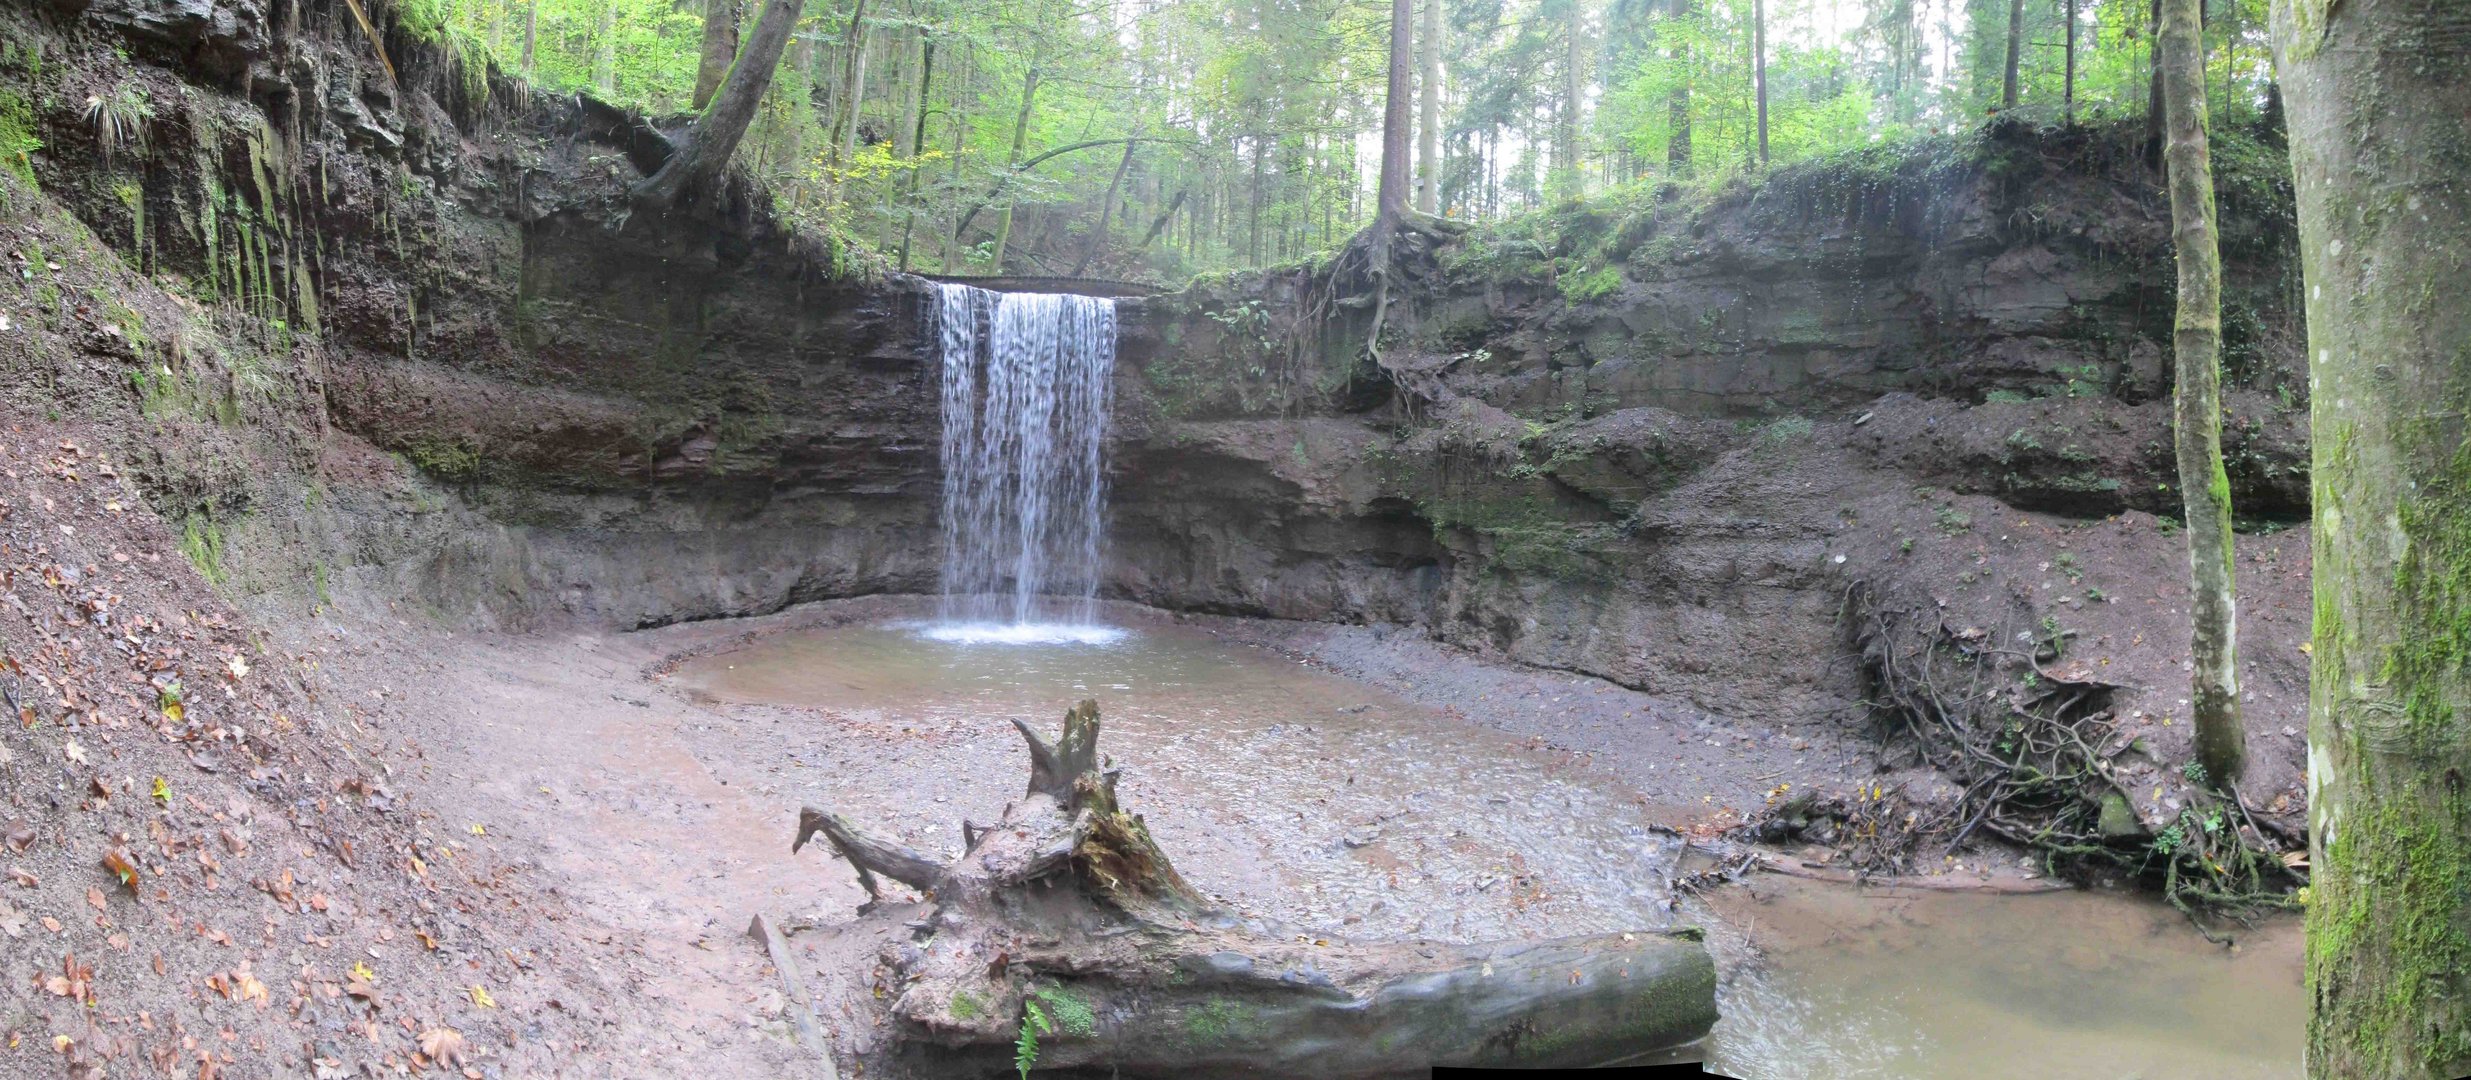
<point>1310,798</point>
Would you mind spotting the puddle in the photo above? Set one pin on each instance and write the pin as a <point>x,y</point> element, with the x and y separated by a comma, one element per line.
<point>1416,823</point>
<point>1916,984</point>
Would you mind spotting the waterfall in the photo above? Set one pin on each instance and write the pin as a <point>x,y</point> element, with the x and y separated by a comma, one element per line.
<point>1026,380</point>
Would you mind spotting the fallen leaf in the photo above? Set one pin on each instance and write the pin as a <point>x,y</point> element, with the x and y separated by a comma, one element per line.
<point>12,921</point>
<point>162,791</point>
<point>73,752</point>
<point>481,998</point>
<point>94,896</point>
<point>122,866</point>
<point>23,877</point>
<point>444,1045</point>
<point>238,666</point>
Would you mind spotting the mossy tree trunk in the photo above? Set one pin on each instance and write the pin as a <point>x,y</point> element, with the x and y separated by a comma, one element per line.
<point>719,48</point>
<point>2196,340</point>
<point>2379,100</point>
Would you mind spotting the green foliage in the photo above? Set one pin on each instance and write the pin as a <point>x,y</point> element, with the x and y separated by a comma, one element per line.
<point>201,539</point>
<point>1070,1014</point>
<point>17,140</point>
<point>1025,1047</point>
<point>1593,285</point>
<point>966,1006</point>
<point>119,117</point>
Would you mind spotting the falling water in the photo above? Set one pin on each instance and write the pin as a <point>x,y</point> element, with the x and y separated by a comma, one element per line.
<point>1026,379</point>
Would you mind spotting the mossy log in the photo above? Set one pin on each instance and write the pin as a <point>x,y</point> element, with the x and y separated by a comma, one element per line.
<point>1067,912</point>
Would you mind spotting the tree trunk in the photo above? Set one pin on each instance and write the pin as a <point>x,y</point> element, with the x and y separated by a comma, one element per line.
<point>2196,342</point>
<point>2153,95</point>
<point>1566,122</point>
<point>1758,67</point>
<point>2016,45</point>
<point>917,139</point>
<point>2067,96</point>
<point>605,51</point>
<point>1390,201</point>
<point>707,146</point>
<point>839,141</point>
<point>1159,223</point>
<point>720,47</point>
<point>1428,125</point>
<point>2376,92</point>
<point>531,31</point>
<point>1066,919</point>
<point>1677,147</point>
<point>1106,211</point>
<point>1020,134</point>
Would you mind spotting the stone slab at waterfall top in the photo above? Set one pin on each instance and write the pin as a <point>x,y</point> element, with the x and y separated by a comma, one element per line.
<point>1065,918</point>
<point>1025,399</point>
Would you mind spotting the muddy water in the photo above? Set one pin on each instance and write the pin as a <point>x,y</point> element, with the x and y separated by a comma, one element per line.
<point>1302,796</point>
<point>1906,983</point>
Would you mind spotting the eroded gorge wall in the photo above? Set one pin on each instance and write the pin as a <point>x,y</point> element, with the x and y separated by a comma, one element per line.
<point>1655,438</point>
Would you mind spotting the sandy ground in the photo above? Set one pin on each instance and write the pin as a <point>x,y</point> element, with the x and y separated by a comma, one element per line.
<point>655,821</point>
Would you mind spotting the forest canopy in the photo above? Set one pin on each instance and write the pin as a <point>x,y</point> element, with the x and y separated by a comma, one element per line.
<point>1158,139</point>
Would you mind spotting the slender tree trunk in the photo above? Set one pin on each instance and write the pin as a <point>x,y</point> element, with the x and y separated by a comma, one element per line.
<point>707,146</point>
<point>1106,211</point>
<point>531,31</point>
<point>1159,223</point>
<point>1428,126</point>
<point>2016,45</point>
<point>2376,93</point>
<point>720,47</point>
<point>1252,208</point>
<point>2196,341</point>
<point>1566,121</point>
<point>1677,148</point>
<point>917,138</point>
<point>2068,95</point>
<point>1758,67</point>
<point>1020,135</point>
<point>840,141</point>
<point>2153,94</point>
<point>605,51</point>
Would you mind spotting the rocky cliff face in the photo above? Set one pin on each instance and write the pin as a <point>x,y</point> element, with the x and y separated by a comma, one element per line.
<point>1652,426</point>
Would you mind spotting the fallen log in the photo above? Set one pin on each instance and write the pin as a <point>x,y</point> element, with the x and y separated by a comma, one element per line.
<point>1065,923</point>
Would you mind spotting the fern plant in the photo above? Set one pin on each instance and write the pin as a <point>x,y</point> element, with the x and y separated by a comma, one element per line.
<point>1033,1024</point>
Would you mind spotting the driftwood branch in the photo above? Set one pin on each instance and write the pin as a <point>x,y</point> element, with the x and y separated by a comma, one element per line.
<point>868,854</point>
<point>1066,911</point>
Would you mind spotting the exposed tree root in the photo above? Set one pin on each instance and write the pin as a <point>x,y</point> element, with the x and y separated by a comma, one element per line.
<point>2034,751</point>
<point>1064,922</point>
<point>1372,273</point>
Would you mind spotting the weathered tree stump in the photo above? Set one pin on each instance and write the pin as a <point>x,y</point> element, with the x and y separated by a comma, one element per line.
<point>1066,911</point>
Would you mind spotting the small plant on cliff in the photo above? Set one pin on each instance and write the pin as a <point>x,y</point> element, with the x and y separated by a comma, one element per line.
<point>17,141</point>
<point>1034,1023</point>
<point>119,118</point>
